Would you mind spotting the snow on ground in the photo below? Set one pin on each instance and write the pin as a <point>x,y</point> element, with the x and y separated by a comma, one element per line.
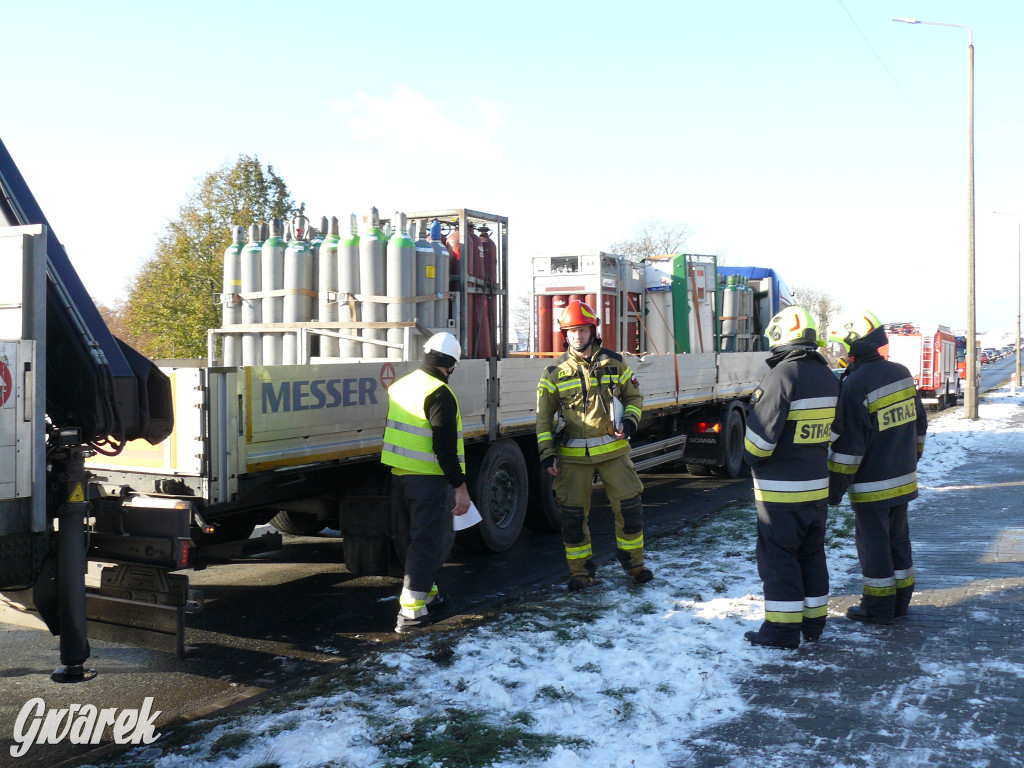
<point>619,675</point>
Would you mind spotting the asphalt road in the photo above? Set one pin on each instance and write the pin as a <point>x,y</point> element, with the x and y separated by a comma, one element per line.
<point>279,618</point>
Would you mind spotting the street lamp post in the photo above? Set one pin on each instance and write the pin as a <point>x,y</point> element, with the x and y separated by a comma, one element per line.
<point>1016,380</point>
<point>971,388</point>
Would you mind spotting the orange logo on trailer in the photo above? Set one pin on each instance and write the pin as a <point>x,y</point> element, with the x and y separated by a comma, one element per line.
<point>5,383</point>
<point>387,375</point>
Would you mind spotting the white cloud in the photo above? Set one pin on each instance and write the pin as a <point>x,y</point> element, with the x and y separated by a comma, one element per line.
<point>411,124</point>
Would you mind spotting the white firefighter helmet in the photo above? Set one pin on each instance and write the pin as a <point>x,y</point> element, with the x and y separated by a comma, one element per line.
<point>792,325</point>
<point>856,325</point>
<point>444,343</point>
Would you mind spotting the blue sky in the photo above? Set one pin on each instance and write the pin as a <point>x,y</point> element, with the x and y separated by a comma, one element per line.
<point>819,138</point>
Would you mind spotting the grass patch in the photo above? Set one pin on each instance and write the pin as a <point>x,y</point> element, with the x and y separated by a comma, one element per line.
<point>625,708</point>
<point>555,694</point>
<point>278,728</point>
<point>464,738</point>
<point>231,744</point>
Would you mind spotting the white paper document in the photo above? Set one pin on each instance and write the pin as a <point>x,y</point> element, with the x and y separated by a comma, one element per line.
<point>471,518</point>
<point>617,413</point>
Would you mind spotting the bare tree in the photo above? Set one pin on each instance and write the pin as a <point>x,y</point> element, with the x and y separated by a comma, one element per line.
<point>519,311</point>
<point>822,306</point>
<point>654,237</point>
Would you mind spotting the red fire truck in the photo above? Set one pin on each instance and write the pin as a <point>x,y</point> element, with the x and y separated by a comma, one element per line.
<point>931,356</point>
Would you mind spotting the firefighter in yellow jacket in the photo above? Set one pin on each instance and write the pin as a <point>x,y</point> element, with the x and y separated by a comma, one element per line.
<point>589,388</point>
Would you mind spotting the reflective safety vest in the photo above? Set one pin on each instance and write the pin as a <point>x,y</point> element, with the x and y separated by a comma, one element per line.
<point>408,436</point>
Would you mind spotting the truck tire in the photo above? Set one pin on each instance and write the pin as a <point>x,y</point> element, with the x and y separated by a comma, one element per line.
<point>367,555</point>
<point>544,515</point>
<point>297,523</point>
<point>732,435</point>
<point>500,490</point>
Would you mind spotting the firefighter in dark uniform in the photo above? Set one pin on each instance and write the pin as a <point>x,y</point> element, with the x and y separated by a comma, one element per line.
<point>424,448</point>
<point>878,436</point>
<point>582,388</point>
<point>786,445</point>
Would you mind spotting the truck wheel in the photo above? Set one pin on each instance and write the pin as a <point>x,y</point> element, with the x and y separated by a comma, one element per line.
<point>500,493</point>
<point>297,523</point>
<point>367,555</point>
<point>732,434</point>
<point>544,514</point>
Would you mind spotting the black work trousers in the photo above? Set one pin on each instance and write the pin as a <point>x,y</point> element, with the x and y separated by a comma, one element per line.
<point>791,564</point>
<point>422,513</point>
<point>886,561</point>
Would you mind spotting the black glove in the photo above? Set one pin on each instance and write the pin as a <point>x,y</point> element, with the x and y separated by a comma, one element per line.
<point>628,428</point>
<point>547,463</point>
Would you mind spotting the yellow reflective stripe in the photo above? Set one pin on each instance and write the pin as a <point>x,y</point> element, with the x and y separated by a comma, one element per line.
<point>570,384</point>
<point>413,604</point>
<point>842,469</point>
<point>791,497</point>
<point>603,449</point>
<point>895,397</point>
<point>563,451</point>
<point>633,409</point>
<point>625,376</point>
<point>904,583</point>
<point>812,413</point>
<point>578,553</point>
<point>630,544</point>
<point>784,618</point>
<point>759,442</point>
<point>889,493</point>
<point>815,612</point>
<point>542,436</point>
<point>879,591</point>
<point>753,449</point>
<point>545,384</point>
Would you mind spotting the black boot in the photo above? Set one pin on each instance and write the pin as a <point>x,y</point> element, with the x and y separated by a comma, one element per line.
<point>811,629</point>
<point>857,613</point>
<point>759,638</point>
<point>775,635</point>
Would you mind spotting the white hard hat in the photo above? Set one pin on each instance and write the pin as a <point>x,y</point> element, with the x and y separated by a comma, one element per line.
<point>444,343</point>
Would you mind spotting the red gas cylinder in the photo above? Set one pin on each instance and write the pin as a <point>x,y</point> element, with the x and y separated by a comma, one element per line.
<point>473,263</point>
<point>608,320</point>
<point>558,303</point>
<point>543,323</point>
<point>487,267</point>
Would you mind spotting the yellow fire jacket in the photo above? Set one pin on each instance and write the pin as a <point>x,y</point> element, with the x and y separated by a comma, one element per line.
<point>580,389</point>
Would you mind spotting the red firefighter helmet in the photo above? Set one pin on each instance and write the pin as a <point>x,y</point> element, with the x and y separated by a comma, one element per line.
<point>577,314</point>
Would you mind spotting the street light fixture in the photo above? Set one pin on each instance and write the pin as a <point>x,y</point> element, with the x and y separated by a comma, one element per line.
<point>971,388</point>
<point>1016,381</point>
